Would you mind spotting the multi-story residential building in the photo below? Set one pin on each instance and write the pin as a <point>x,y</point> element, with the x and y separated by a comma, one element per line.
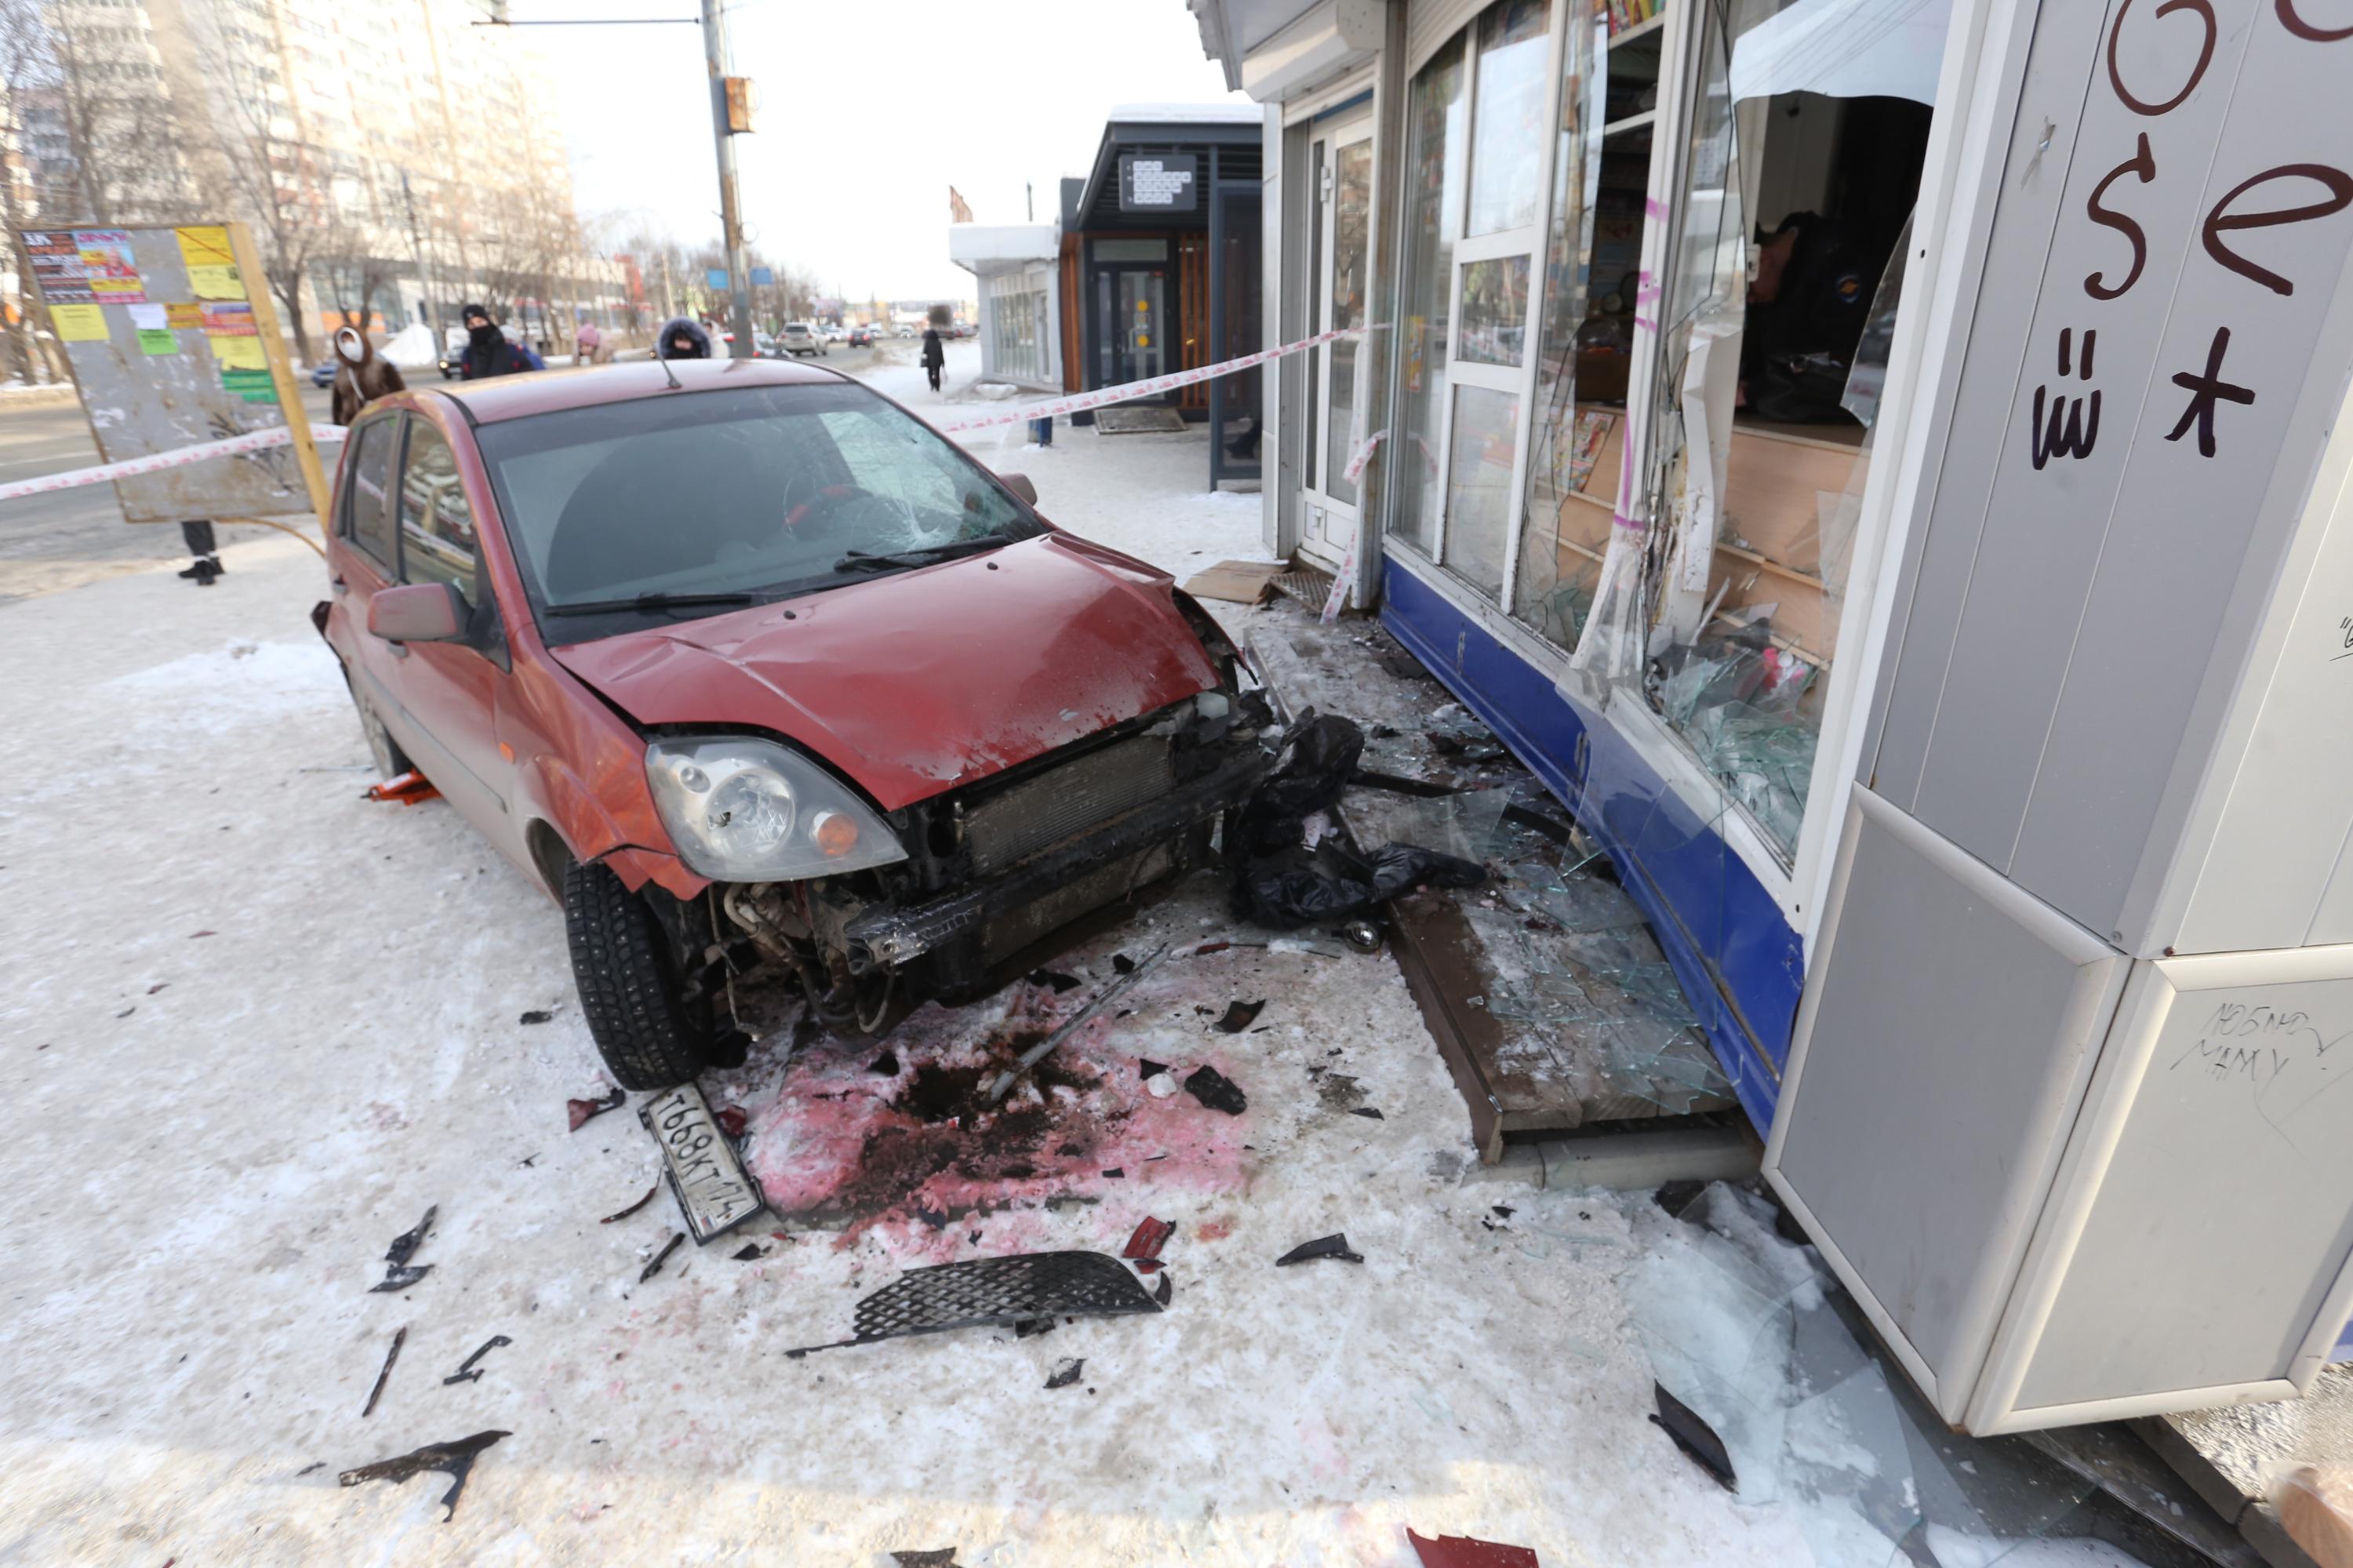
<point>394,157</point>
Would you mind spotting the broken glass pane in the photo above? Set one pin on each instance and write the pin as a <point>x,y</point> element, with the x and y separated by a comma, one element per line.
<point>1748,1328</point>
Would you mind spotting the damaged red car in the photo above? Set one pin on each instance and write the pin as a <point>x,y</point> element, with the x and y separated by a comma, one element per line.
<point>749,667</point>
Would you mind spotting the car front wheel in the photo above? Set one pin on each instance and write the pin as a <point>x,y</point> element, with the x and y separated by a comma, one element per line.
<point>650,1036</point>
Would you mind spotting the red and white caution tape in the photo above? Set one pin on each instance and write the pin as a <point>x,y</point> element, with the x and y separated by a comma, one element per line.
<point>179,457</point>
<point>1078,401</point>
<point>262,440</point>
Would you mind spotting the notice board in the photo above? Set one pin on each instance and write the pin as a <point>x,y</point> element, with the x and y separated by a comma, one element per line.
<point>173,342</point>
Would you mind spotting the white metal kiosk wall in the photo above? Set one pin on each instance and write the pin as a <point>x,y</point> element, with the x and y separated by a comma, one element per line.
<point>2065,1102</point>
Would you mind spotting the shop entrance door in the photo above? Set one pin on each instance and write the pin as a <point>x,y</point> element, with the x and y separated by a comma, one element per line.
<point>1139,320</point>
<point>1339,248</point>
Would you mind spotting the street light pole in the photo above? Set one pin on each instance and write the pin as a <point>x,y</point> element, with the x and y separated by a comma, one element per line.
<point>731,212</point>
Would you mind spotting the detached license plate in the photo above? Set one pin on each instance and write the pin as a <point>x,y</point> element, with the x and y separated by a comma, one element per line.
<point>709,1180</point>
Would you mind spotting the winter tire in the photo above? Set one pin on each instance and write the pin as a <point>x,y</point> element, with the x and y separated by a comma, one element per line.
<point>650,1037</point>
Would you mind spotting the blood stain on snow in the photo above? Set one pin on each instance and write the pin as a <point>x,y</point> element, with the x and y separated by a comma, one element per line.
<point>902,1156</point>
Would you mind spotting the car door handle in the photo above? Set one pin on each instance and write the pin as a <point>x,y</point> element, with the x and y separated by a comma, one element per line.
<point>399,650</point>
<point>338,585</point>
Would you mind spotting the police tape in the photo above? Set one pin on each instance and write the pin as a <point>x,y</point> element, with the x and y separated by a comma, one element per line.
<point>1078,402</point>
<point>262,441</point>
<point>178,457</point>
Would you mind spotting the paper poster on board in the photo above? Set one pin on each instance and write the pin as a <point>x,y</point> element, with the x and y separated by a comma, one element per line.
<point>212,268</point>
<point>78,323</point>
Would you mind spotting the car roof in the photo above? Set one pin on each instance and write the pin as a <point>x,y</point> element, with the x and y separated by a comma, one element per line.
<point>547,392</point>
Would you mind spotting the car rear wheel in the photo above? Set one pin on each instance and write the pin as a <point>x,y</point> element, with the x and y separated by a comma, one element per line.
<point>650,1036</point>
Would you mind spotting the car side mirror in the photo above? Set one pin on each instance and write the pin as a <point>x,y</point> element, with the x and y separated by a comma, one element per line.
<point>418,612</point>
<point>1019,484</point>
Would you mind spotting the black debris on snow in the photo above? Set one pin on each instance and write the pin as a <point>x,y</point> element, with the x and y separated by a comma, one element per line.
<point>454,1459</point>
<point>399,1337</point>
<point>1335,1245</point>
<point>1240,1015</point>
<point>1217,1091</point>
<point>676,1239</point>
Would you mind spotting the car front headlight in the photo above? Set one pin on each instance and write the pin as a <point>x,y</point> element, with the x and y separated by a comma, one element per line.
<point>740,809</point>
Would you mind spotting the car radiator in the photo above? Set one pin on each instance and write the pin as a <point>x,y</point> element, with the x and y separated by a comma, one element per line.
<point>1049,806</point>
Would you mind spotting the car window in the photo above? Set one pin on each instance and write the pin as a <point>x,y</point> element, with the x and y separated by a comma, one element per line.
<point>436,525</point>
<point>367,520</point>
<point>760,489</point>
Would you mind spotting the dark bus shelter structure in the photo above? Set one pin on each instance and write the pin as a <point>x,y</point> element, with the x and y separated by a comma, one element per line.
<point>1160,263</point>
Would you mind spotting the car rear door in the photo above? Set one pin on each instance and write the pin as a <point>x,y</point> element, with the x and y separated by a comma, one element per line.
<point>366,556</point>
<point>450,692</point>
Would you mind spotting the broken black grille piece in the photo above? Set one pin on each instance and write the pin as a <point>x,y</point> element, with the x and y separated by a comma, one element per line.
<point>454,1459</point>
<point>995,1290</point>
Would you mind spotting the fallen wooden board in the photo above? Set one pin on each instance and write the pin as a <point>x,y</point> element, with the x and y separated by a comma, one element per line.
<point>1236,582</point>
<point>1518,1075</point>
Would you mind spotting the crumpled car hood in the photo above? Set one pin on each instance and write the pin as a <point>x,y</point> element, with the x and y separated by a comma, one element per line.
<point>916,683</point>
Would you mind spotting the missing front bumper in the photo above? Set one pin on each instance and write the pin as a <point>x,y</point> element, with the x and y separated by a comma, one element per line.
<point>885,938</point>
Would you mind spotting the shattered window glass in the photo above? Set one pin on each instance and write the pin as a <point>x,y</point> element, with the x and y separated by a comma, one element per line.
<point>1719,605</point>
<point>1748,1330</point>
<point>1570,487</point>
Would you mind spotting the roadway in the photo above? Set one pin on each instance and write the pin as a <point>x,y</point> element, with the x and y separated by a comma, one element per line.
<point>73,536</point>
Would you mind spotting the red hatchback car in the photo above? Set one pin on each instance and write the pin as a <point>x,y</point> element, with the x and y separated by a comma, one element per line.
<point>750,667</point>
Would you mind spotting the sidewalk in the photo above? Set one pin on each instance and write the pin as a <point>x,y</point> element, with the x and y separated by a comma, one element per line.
<point>258,1025</point>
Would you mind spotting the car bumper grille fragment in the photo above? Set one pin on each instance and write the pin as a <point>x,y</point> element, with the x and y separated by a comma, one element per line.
<point>995,1290</point>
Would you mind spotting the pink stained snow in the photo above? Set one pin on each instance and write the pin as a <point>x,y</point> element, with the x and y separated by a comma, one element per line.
<point>915,1157</point>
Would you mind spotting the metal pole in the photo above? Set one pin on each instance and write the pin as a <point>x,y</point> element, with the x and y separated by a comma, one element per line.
<point>416,254</point>
<point>731,212</point>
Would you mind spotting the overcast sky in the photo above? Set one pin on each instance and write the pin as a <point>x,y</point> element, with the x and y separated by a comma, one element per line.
<point>857,144</point>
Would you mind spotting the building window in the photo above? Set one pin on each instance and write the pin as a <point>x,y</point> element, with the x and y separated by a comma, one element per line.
<point>1433,167</point>
<point>1725,610</point>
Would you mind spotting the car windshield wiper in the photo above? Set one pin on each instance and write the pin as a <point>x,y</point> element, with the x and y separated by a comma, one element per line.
<point>859,561</point>
<point>653,601</point>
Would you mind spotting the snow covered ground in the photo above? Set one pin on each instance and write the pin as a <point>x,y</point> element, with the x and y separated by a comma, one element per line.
<point>255,1025</point>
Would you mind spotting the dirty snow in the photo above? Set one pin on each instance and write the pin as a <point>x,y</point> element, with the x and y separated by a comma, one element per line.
<point>256,1024</point>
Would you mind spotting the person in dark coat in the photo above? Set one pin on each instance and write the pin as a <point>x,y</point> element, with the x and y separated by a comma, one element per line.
<point>362,376</point>
<point>487,352</point>
<point>682,337</point>
<point>935,356</point>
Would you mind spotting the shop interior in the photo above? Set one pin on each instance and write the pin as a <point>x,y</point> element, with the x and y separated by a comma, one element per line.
<point>1775,314</point>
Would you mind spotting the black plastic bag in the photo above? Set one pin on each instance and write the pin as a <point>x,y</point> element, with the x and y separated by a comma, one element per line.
<point>1318,759</point>
<point>1294,889</point>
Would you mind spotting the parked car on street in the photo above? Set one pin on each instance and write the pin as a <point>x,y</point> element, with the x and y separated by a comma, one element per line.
<point>323,373</point>
<point>854,712</point>
<point>831,332</point>
<point>800,342</point>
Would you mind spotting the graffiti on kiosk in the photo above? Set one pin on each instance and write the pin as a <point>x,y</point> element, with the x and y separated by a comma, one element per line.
<point>2061,426</point>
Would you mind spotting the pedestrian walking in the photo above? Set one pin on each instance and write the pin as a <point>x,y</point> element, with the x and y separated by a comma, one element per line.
<point>935,356</point>
<point>682,337</point>
<point>362,376</point>
<point>589,345</point>
<point>487,352</point>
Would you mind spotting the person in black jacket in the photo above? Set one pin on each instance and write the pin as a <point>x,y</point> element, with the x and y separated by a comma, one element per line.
<point>682,337</point>
<point>935,356</point>
<point>487,352</point>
